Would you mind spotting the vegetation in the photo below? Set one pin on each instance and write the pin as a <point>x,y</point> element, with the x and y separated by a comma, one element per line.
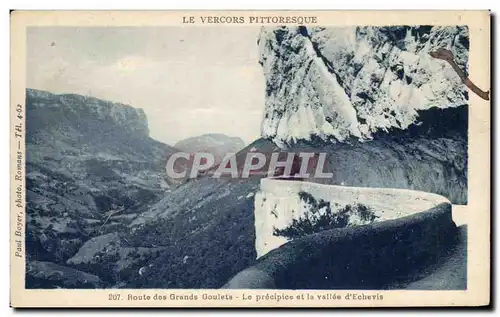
<point>199,252</point>
<point>321,217</point>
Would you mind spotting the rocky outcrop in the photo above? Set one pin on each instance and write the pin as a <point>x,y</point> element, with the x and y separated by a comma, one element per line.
<point>90,110</point>
<point>338,83</point>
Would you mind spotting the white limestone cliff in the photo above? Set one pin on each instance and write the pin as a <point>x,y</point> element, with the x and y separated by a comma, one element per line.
<point>338,83</point>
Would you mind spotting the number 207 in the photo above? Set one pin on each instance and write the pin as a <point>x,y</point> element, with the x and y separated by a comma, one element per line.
<point>114,297</point>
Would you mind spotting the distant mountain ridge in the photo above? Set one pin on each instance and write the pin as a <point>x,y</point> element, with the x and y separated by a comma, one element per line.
<point>217,144</point>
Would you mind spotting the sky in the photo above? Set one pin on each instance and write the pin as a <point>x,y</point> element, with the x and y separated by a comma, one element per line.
<point>188,81</point>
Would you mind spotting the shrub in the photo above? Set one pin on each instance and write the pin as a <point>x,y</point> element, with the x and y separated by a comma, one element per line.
<point>320,217</point>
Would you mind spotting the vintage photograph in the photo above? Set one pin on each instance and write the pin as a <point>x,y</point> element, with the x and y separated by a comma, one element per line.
<point>262,156</point>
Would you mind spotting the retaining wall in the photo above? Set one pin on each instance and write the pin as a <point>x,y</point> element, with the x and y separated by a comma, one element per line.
<point>362,257</point>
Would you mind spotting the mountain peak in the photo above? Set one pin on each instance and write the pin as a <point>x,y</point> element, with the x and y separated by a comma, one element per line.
<point>217,144</point>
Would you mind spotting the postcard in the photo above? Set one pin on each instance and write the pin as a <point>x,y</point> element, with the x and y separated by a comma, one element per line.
<point>250,158</point>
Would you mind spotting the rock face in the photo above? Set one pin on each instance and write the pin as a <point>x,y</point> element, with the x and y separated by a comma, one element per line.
<point>125,118</point>
<point>338,83</point>
<point>429,156</point>
<point>91,167</point>
<point>214,143</point>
